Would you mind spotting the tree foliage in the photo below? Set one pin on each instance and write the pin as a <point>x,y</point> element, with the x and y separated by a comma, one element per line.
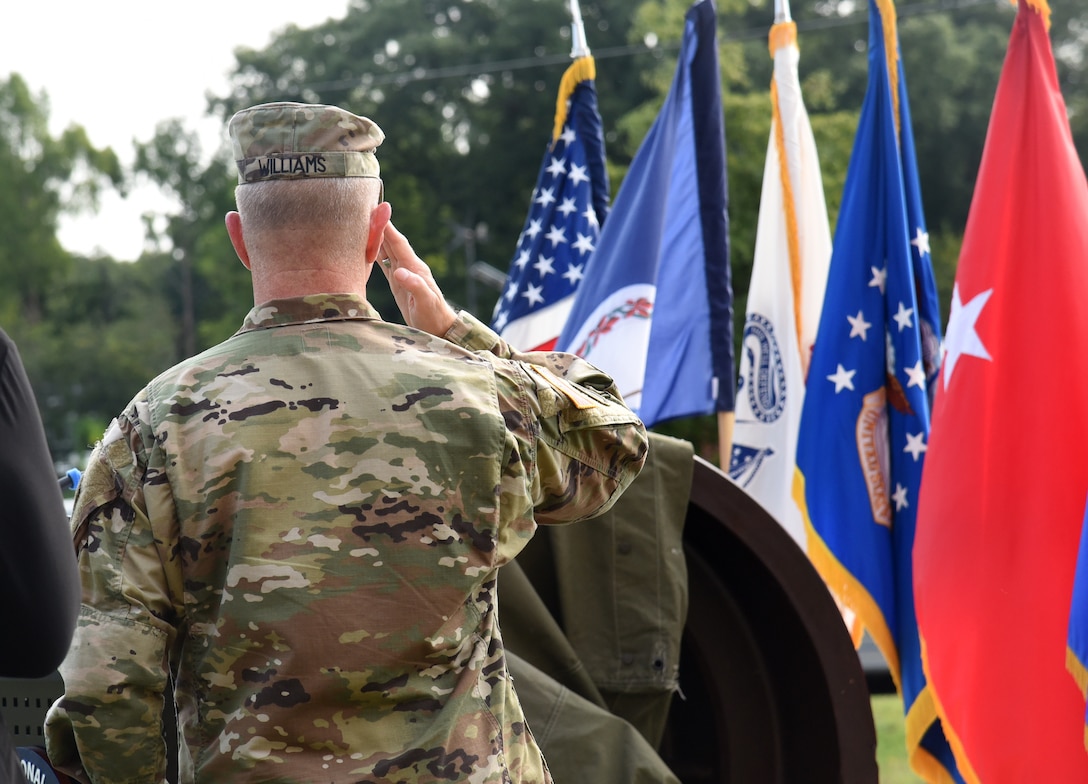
<point>106,337</point>
<point>465,95</point>
<point>39,177</point>
<point>210,291</point>
<point>465,91</point>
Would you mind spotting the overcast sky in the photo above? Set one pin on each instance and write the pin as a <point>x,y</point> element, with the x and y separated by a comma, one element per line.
<point>119,67</point>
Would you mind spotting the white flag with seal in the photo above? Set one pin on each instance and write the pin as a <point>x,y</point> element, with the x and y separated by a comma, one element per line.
<point>789,274</point>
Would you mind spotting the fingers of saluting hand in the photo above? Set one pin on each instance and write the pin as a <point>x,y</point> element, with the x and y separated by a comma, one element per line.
<point>417,294</point>
<point>398,251</point>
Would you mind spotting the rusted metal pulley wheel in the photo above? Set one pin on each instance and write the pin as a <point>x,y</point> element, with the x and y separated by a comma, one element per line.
<point>773,690</point>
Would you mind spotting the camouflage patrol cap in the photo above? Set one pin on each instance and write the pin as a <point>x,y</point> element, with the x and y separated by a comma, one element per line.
<point>277,141</point>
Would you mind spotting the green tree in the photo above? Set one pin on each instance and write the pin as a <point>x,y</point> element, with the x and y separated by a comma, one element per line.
<point>465,90</point>
<point>210,289</point>
<point>39,177</point>
<point>466,96</point>
<point>952,58</point>
<point>42,177</point>
<point>106,337</point>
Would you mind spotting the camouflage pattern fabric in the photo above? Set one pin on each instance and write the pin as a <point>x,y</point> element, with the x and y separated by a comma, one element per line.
<point>285,140</point>
<point>305,524</point>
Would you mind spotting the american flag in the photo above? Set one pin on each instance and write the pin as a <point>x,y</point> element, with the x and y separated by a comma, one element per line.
<point>656,309</point>
<point>569,203</point>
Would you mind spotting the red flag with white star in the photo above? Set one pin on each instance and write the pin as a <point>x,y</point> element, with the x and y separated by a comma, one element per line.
<point>1006,473</point>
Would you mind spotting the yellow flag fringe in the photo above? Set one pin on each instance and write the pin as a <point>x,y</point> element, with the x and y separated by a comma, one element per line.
<point>1078,670</point>
<point>891,53</point>
<point>581,70</point>
<point>1041,7</point>
<point>845,587</point>
<point>919,718</point>
<point>782,34</point>
<point>785,34</point>
<point>966,770</point>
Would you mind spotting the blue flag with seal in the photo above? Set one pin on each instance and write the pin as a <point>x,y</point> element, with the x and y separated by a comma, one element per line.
<point>656,308</point>
<point>568,206</point>
<point>866,415</point>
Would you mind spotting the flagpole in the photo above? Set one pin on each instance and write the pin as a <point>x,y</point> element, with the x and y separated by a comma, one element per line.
<point>728,419</point>
<point>578,43</point>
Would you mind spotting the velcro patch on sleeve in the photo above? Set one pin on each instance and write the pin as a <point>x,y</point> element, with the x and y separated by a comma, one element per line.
<point>577,397</point>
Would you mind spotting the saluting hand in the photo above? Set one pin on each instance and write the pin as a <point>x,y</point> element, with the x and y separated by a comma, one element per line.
<point>417,294</point>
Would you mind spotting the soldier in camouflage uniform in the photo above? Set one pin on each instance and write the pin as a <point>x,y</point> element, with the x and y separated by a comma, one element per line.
<point>303,524</point>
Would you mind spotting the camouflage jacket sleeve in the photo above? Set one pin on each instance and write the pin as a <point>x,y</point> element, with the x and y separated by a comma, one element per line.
<point>108,725</point>
<point>581,446</point>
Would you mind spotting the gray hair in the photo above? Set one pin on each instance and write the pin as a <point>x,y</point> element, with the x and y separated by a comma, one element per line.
<point>331,210</point>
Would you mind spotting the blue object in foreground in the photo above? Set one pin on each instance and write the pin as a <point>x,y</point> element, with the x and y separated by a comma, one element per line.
<point>70,480</point>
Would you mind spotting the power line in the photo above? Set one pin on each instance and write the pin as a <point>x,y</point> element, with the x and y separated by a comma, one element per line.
<point>402,78</point>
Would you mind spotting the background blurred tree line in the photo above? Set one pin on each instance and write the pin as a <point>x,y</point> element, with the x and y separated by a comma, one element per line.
<point>465,91</point>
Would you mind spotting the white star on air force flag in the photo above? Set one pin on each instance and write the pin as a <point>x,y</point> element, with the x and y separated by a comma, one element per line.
<point>879,279</point>
<point>843,379</point>
<point>921,241</point>
<point>915,445</point>
<point>859,327</point>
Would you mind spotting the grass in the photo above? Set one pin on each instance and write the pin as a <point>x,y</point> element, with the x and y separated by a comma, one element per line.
<point>891,745</point>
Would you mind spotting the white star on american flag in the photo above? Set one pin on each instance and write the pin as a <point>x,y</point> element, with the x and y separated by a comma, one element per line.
<point>562,208</point>
<point>584,244</point>
<point>578,174</point>
<point>591,215</point>
<point>532,293</point>
<point>556,234</point>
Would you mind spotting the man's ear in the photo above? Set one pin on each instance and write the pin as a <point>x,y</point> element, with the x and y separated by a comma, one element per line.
<point>234,230</point>
<point>379,219</point>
